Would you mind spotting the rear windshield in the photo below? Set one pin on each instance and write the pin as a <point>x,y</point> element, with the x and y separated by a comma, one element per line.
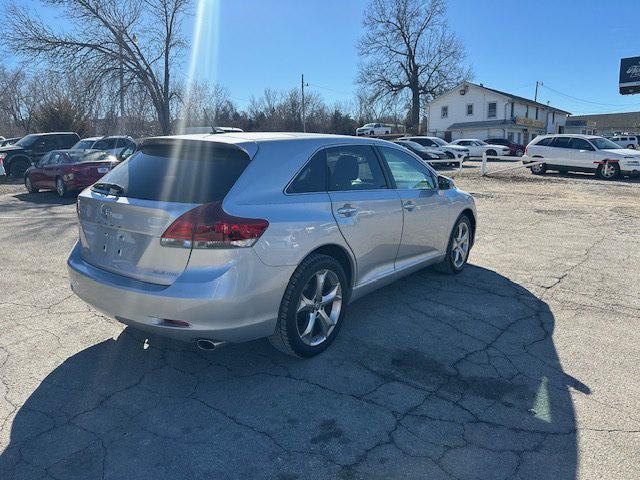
<point>183,172</point>
<point>81,157</point>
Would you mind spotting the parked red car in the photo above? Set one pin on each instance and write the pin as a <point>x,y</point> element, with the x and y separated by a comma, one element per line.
<point>514,148</point>
<point>68,170</point>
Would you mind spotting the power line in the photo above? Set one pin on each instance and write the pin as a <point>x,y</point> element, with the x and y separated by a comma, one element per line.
<point>589,101</point>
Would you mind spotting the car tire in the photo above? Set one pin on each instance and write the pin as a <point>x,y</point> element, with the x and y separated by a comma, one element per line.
<point>61,188</point>
<point>29,186</point>
<point>302,337</point>
<point>449,155</point>
<point>18,168</point>
<point>608,171</point>
<point>539,169</point>
<point>492,153</point>
<point>632,147</point>
<point>458,248</point>
<point>519,153</point>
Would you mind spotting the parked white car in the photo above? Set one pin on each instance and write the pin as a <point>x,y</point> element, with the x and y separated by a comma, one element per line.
<point>626,141</point>
<point>451,151</point>
<point>374,129</point>
<point>114,145</point>
<point>477,148</point>
<point>582,153</point>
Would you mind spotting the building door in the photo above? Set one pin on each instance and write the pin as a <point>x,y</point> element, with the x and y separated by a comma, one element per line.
<point>447,136</point>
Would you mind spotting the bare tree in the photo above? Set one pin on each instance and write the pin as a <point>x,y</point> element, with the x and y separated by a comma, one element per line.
<point>408,46</point>
<point>18,101</point>
<point>126,41</point>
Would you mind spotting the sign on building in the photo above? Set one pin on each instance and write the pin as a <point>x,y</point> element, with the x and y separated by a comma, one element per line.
<point>629,75</point>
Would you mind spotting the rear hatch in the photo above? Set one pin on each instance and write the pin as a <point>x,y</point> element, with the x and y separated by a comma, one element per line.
<point>124,215</point>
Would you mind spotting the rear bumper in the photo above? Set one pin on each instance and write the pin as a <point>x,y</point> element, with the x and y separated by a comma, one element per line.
<point>234,304</point>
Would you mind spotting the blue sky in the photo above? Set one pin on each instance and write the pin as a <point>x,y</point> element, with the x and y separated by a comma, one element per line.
<point>573,47</point>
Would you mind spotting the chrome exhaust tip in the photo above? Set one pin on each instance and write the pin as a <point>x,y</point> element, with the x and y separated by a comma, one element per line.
<point>205,344</point>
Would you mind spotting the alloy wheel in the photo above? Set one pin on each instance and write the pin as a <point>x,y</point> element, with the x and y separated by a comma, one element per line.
<point>60,188</point>
<point>460,247</point>
<point>608,170</point>
<point>319,307</point>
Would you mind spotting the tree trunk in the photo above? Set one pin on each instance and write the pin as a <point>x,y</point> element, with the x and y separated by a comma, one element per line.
<point>415,110</point>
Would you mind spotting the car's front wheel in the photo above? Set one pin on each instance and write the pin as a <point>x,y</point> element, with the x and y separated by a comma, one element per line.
<point>61,187</point>
<point>459,246</point>
<point>312,307</point>
<point>29,185</point>
<point>519,153</point>
<point>608,171</point>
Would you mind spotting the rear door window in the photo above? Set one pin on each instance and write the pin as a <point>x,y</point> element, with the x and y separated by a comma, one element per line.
<point>561,142</point>
<point>354,167</point>
<point>183,172</point>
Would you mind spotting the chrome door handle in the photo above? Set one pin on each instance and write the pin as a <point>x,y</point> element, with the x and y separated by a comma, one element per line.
<point>409,206</point>
<point>347,211</point>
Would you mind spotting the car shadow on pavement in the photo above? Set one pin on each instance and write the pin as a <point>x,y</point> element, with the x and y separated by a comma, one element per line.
<point>46,198</point>
<point>432,377</point>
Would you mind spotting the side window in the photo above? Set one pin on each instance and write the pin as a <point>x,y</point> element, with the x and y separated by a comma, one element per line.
<point>45,160</point>
<point>407,172</point>
<point>545,142</point>
<point>313,177</point>
<point>354,168</point>
<point>580,144</point>
<point>55,159</point>
<point>561,142</point>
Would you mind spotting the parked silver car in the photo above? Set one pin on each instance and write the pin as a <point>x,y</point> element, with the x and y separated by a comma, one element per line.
<point>233,237</point>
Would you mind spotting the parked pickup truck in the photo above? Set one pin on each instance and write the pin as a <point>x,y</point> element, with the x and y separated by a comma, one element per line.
<point>17,158</point>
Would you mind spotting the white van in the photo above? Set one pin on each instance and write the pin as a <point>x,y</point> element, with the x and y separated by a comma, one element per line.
<point>626,141</point>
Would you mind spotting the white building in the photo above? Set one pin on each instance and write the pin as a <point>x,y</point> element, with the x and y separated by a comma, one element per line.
<point>475,111</point>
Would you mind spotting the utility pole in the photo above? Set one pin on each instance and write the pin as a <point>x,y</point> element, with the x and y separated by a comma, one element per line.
<point>538,84</point>
<point>121,78</point>
<point>304,113</point>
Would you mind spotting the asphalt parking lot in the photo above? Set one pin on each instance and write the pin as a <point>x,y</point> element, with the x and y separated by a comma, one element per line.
<point>523,366</point>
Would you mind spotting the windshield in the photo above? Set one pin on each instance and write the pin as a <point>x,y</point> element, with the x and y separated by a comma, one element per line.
<point>369,124</point>
<point>480,142</point>
<point>602,143</point>
<point>439,141</point>
<point>83,145</point>
<point>27,141</point>
<point>413,145</point>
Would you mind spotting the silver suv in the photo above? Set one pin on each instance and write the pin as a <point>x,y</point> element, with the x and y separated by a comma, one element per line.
<point>233,237</point>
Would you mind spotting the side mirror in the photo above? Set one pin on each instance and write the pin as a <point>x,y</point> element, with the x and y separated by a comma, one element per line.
<point>445,183</point>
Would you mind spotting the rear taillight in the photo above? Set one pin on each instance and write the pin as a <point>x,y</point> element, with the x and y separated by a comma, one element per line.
<point>526,150</point>
<point>209,226</point>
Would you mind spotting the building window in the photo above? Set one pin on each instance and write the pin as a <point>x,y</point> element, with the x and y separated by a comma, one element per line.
<point>537,113</point>
<point>553,117</point>
<point>493,109</point>
<point>444,112</point>
<point>469,108</point>
<point>513,104</point>
<point>526,114</point>
<point>510,134</point>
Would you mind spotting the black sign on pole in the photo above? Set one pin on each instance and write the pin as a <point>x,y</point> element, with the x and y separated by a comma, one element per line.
<point>629,75</point>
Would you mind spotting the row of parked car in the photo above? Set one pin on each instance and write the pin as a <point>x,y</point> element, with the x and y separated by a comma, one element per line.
<point>61,161</point>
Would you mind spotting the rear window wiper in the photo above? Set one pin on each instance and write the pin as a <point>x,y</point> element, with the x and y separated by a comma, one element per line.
<point>108,188</point>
